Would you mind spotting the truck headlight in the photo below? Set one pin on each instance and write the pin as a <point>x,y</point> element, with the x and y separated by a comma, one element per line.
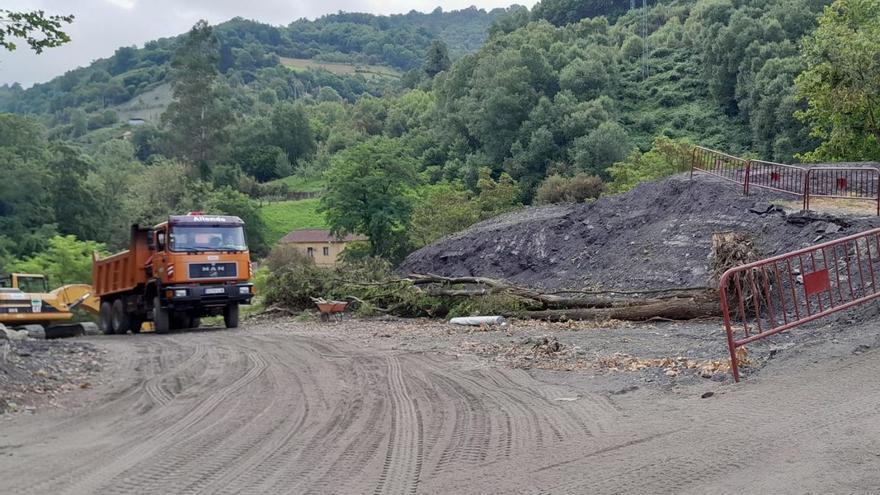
<point>244,290</point>
<point>179,292</point>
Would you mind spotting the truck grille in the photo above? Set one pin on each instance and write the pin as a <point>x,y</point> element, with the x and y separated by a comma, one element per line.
<point>212,270</point>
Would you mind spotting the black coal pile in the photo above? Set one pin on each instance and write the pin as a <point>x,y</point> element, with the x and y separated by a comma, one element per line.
<point>655,236</point>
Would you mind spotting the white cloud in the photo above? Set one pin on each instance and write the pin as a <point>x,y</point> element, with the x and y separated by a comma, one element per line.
<point>101,26</point>
<point>125,4</point>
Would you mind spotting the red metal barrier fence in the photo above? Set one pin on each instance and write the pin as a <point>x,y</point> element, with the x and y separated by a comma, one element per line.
<point>769,296</point>
<point>776,177</point>
<point>861,183</point>
<point>727,167</point>
<point>843,183</point>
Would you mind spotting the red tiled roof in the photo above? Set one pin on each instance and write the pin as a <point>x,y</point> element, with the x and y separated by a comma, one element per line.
<point>318,235</point>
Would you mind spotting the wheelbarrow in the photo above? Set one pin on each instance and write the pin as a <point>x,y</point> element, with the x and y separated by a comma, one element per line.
<point>329,309</point>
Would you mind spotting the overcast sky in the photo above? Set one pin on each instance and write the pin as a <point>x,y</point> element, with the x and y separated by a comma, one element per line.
<point>101,26</point>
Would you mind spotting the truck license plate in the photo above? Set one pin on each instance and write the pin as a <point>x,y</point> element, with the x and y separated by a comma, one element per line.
<point>215,290</point>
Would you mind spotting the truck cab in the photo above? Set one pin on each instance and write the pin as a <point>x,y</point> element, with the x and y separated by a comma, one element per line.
<point>174,273</point>
<point>201,264</point>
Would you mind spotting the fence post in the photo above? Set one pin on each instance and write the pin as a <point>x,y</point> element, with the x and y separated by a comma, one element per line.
<point>746,179</point>
<point>877,188</point>
<point>725,311</point>
<point>807,190</point>
<point>693,161</point>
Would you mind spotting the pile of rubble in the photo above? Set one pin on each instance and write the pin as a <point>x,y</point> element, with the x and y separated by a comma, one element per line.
<point>656,236</point>
<point>34,372</point>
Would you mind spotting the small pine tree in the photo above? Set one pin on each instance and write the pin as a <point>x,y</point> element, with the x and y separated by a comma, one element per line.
<point>437,59</point>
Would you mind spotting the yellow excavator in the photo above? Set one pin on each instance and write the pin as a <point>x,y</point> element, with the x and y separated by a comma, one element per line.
<point>26,303</point>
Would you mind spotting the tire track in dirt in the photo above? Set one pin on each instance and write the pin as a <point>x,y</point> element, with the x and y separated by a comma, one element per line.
<point>707,446</point>
<point>277,412</point>
<point>96,478</point>
<point>149,358</point>
<point>404,455</point>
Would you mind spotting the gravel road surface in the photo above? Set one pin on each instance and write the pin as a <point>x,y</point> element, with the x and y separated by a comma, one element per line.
<point>274,408</point>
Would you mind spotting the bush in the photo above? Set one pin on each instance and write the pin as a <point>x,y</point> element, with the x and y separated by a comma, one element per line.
<point>577,189</point>
<point>294,280</point>
<point>666,157</point>
<point>284,256</point>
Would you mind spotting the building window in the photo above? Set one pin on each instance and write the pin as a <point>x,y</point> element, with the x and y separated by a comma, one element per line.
<point>310,252</point>
<point>326,251</point>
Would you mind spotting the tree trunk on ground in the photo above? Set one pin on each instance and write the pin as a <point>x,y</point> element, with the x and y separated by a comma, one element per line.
<point>673,309</point>
<point>677,304</point>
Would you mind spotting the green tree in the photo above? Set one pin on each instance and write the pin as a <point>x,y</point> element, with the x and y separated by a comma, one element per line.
<point>369,192</point>
<point>66,260</point>
<point>497,197</point>
<point>263,162</point>
<point>228,201</point>
<point>605,145</point>
<point>562,12</point>
<point>437,60</point>
<point>197,119</point>
<point>79,122</point>
<point>124,59</point>
<point>162,189</point>
<point>26,200</point>
<point>292,132</point>
<point>842,82</point>
<point>37,29</point>
<point>440,210</point>
<point>666,157</point>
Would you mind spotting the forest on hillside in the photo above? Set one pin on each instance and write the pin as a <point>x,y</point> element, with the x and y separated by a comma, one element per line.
<point>491,111</point>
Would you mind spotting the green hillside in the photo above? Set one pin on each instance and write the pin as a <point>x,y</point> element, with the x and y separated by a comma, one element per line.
<point>551,106</point>
<point>250,56</point>
<point>283,216</point>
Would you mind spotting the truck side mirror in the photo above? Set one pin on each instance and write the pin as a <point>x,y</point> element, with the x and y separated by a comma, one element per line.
<point>160,240</point>
<point>151,240</point>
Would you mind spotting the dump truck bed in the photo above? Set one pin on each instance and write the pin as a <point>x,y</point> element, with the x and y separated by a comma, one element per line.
<point>122,271</point>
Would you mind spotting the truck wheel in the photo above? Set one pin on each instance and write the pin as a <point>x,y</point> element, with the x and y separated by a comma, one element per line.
<point>161,318</point>
<point>195,322</point>
<point>120,319</point>
<point>230,315</point>
<point>106,318</point>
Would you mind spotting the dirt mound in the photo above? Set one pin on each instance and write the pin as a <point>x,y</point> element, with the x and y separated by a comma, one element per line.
<point>36,371</point>
<point>655,236</point>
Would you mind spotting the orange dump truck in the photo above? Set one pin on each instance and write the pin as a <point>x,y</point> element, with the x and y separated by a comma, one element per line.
<point>191,266</point>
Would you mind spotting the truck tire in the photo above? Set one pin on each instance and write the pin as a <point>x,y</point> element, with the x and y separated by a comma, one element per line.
<point>195,322</point>
<point>120,319</point>
<point>106,320</point>
<point>230,315</point>
<point>161,318</point>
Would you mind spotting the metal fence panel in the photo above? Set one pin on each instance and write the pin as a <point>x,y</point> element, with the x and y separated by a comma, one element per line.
<point>776,177</point>
<point>727,167</point>
<point>773,295</point>
<point>842,183</point>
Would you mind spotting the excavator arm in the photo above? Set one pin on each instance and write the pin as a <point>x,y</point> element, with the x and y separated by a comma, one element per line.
<point>75,295</point>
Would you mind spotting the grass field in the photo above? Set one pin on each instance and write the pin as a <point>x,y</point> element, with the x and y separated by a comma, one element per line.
<point>296,183</point>
<point>283,216</point>
<point>339,67</point>
<point>148,106</point>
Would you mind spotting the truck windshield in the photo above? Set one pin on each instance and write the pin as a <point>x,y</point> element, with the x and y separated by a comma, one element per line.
<point>207,238</point>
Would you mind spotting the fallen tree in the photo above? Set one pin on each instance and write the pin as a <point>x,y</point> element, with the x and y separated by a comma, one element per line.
<point>374,289</point>
<point>675,304</point>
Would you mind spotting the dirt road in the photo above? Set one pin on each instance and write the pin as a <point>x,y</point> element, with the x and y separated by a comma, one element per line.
<point>273,410</point>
